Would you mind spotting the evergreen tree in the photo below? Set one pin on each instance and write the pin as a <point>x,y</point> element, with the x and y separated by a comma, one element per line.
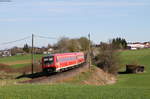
<point>119,43</point>
<point>26,48</point>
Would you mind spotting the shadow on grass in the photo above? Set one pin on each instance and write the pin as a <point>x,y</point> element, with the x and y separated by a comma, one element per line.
<point>34,75</point>
<point>123,72</point>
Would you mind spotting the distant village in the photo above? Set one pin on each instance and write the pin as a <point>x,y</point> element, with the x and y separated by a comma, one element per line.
<point>138,45</point>
<point>49,50</point>
<point>20,51</point>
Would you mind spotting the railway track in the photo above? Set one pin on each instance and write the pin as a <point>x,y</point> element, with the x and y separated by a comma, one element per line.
<point>57,77</point>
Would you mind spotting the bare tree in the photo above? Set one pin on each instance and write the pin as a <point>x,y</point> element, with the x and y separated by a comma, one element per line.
<point>73,45</point>
<point>62,44</point>
<point>84,42</point>
<point>107,59</point>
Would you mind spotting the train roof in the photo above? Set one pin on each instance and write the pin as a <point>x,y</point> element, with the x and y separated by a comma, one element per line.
<point>61,54</point>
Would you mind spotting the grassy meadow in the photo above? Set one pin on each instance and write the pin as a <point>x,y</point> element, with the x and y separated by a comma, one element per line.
<point>141,57</point>
<point>128,86</point>
<point>19,61</point>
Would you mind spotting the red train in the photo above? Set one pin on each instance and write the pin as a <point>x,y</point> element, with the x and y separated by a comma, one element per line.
<point>60,62</point>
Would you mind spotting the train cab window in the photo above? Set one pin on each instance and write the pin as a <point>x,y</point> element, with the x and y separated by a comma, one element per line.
<point>48,60</point>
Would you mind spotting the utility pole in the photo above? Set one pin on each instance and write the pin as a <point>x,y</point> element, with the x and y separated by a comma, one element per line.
<point>32,54</point>
<point>89,52</point>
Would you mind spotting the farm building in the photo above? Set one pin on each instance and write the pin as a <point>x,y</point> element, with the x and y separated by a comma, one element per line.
<point>135,46</point>
<point>5,53</point>
<point>49,51</point>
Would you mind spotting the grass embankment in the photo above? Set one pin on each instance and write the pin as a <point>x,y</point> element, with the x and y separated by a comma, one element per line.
<point>129,86</point>
<point>19,61</point>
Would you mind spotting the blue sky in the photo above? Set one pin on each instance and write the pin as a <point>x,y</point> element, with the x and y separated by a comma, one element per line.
<point>105,19</point>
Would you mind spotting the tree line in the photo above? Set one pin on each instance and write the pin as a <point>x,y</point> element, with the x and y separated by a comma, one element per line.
<point>72,45</point>
<point>119,43</point>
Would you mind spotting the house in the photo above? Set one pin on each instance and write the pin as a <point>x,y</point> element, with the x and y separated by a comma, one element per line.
<point>147,44</point>
<point>49,51</point>
<point>5,53</point>
<point>138,45</point>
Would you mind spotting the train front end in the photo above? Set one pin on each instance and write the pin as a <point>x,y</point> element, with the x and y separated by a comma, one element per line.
<point>48,64</point>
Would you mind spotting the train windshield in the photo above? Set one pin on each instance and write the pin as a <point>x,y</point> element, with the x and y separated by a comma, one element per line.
<point>48,60</point>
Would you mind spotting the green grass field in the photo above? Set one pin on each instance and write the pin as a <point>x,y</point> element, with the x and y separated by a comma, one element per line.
<point>129,86</point>
<point>141,57</point>
<point>17,59</point>
<point>67,91</point>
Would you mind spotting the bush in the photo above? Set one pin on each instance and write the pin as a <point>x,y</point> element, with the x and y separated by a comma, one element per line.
<point>107,59</point>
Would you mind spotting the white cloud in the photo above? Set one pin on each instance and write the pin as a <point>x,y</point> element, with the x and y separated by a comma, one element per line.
<point>18,19</point>
<point>107,4</point>
<point>58,10</point>
<point>71,6</point>
<point>59,7</point>
<point>10,19</point>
